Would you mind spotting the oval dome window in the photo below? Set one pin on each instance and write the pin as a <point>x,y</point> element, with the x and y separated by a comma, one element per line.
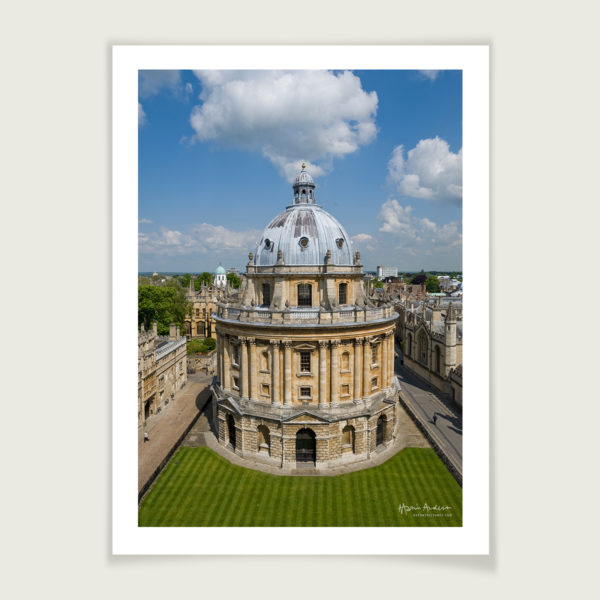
<point>339,242</point>
<point>304,242</point>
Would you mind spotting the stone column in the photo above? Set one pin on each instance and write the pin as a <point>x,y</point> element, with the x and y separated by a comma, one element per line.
<point>244,367</point>
<point>275,383</point>
<point>287,372</point>
<point>366,368</point>
<point>357,356</point>
<point>391,352</point>
<point>253,370</point>
<point>384,360</point>
<point>226,381</point>
<point>335,371</point>
<point>323,373</point>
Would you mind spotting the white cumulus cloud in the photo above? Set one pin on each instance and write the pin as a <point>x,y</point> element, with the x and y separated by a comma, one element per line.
<point>289,116</point>
<point>417,232</point>
<point>428,171</point>
<point>362,237</point>
<point>145,221</point>
<point>202,239</point>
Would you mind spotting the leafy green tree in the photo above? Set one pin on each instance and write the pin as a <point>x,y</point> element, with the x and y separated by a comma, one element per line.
<point>432,284</point>
<point>378,283</point>
<point>419,279</point>
<point>234,280</point>
<point>184,280</point>
<point>205,278</point>
<point>202,346</point>
<point>163,305</point>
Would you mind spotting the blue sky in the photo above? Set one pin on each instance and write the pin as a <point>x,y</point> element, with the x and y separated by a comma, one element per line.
<point>218,152</point>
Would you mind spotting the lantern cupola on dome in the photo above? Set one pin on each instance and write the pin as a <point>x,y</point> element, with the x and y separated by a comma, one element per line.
<point>304,188</point>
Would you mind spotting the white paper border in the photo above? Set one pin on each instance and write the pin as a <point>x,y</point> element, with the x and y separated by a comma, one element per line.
<point>473,537</point>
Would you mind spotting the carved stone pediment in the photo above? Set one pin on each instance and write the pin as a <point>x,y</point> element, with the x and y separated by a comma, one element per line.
<point>304,347</point>
<point>304,417</point>
<point>230,403</point>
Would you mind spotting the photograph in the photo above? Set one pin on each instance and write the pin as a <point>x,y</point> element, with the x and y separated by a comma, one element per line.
<point>300,298</point>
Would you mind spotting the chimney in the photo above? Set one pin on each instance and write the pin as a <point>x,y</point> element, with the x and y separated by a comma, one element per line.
<point>172,331</point>
<point>155,328</point>
<point>178,332</point>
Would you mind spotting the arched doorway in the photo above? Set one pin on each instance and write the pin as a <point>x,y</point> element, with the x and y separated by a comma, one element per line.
<point>306,446</point>
<point>380,430</point>
<point>231,430</point>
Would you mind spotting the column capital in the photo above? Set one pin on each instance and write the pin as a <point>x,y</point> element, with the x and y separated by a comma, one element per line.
<point>323,343</point>
<point>243,340</point>
<point>251,341</point>
<point>334,343</point>
<point>359,341</point>
<point>388,334</point>
<point>286,343</point>
<point>274,342</point>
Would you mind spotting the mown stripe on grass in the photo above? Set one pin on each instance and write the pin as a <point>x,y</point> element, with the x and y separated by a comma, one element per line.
<point>204,489</point>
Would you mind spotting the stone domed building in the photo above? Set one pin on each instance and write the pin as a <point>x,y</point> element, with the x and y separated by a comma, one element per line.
<point>305,359</point>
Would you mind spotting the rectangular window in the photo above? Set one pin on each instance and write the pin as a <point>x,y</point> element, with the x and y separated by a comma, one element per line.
<point>374,384</point>
<point>304,294</point>
<point>343,293</point>
<point>197,312</point>
<point>236,355</point>
<point>304,392</point>
<point>374,354</point>
<point>265,389</point>
<point>305,362</point>
<point>345,389</point>
<point>266,294</point>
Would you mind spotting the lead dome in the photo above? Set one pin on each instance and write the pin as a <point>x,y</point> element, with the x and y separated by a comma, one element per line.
<point>304,232</point>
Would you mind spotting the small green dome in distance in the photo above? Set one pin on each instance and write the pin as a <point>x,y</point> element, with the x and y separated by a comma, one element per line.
<point>220,270</point>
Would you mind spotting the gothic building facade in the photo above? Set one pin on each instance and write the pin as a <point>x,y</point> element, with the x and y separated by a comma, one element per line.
<point>430,334</point>
<point>305,358</point>
<point>161,370</point>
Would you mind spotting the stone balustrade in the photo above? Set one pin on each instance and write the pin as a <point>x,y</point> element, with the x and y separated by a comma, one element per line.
<point>311,316</point>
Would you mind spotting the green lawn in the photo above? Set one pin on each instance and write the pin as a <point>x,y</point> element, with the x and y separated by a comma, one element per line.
<point>199,488</point>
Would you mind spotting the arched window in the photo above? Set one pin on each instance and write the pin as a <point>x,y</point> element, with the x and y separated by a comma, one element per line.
<point>348,439</point>
<point>409,345</point>
<point>263,440</point>
<point>266,294</point>
<point>200,329</point>
<point>374,353</point>
<point>345,361</point>
<point>235,354</point>
<point>437,359</point>
<point>304,294</point>
<point>343,293</point>
<point>423,348</point>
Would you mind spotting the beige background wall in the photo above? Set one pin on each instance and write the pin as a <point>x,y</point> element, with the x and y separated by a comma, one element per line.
<point>56,159</point>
